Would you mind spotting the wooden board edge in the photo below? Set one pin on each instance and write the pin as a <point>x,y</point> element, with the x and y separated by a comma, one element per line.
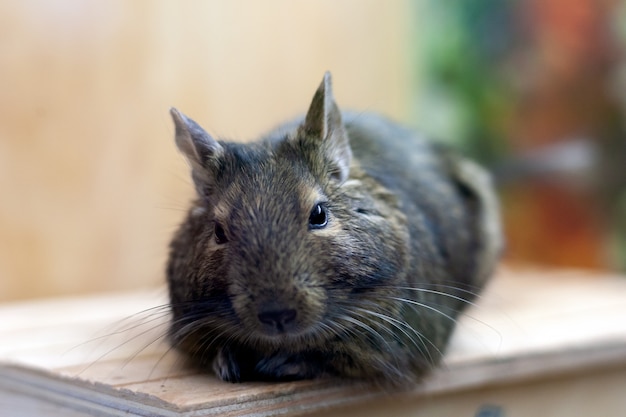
<point>101,400</point>
<point>92,398</point>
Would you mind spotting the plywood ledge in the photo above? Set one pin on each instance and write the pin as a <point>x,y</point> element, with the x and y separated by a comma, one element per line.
<point>297,397</point>
<point>529,325</point>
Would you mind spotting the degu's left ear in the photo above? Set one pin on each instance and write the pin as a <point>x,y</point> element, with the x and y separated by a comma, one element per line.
<point>323,122</point>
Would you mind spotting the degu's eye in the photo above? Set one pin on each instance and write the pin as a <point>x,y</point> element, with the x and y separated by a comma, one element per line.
<point>318,219</point>
<point>219,234</point>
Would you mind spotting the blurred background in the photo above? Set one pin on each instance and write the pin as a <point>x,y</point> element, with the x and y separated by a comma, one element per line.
<point>92,186</point>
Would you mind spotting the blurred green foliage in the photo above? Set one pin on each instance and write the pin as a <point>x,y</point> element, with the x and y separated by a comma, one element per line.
<point>479,65</point>
<point>464,49</point>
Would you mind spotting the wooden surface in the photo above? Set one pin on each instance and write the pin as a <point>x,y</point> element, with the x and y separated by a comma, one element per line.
<point>105,356</point>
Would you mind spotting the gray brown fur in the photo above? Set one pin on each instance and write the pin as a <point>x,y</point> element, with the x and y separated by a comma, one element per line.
<point>412,234</point>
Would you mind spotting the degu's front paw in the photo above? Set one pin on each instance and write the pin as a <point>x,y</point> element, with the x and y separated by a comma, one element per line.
<point>234,365</point>
<point>226,366</point>
<point>283,367</point>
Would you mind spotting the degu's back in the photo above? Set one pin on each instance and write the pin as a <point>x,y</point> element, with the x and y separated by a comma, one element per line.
<point>453,209</point>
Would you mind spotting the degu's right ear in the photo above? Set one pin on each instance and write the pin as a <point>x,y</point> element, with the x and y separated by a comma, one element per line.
<point>200,149</point>
<point>196,144</point>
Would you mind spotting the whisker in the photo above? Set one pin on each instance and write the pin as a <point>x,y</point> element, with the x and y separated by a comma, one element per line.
<point>362,325</point>
<point>424,290</point>
<point>336,328</point>
<point>128,325</point>
<point>397,324</point>
<point>121,328</point>
<point>417,303</point>
<point>109,351</point>
<point>161,337</point>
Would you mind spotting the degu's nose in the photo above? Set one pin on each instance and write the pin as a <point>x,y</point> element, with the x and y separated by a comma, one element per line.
<point>276,318</point>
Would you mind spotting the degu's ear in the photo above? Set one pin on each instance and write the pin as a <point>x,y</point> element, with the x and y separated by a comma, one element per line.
<point>196,144</point>
<point>200,149</point>
<point>323,122</point>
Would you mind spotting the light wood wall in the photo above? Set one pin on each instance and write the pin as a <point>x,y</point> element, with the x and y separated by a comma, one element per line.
<point>91,185</point>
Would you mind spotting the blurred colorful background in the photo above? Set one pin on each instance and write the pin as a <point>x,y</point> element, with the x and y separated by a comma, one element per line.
<point>536,90</point>
<point>91,185</point>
